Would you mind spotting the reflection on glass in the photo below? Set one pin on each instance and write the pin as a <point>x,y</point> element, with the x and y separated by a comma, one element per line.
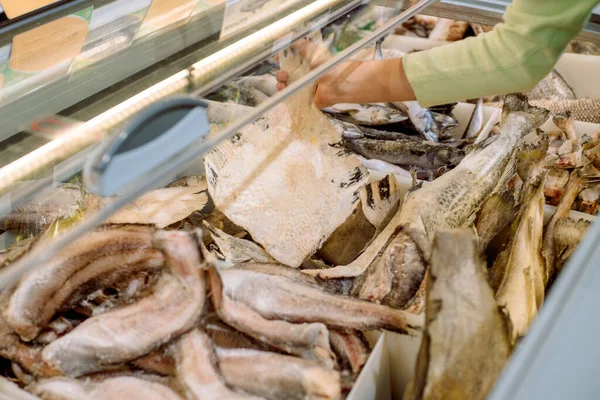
<point>16,8</point>
<point>112,29</point>
<point>163,13</point>
<point>45,51</point>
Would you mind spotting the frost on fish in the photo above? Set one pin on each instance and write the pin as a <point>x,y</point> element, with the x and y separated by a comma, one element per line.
<point>282,181</point>
<point>466,344</point>
<point>396,261</point>
<point>102,257</point>
<point>120,387</point>
<point>129,332</point>
<point>519,273</point>
<point>160,207</point>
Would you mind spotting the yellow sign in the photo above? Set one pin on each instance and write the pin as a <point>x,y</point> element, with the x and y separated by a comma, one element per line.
<point>16,8</point>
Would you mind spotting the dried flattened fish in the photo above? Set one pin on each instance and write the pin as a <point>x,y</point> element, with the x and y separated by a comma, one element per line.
<point>396,261</point>
<point>163,207</point>
<point>496,213</point>
<point>568,233</point>
<point>562,210</point>
<point>294,298</point>
<point>98,258</point>
<point>466,344</point>
<point>125,387</point>
<point>151,208</point>
<point>285,156</point>
<point>129,332</point>
<point>519,273</point>
<point>198,371</point>
<point>233,250</point>
<point>275,376</point>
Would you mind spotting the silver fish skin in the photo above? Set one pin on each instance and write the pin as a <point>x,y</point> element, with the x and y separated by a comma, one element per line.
<point>198,371</point>
<point>396,260</point>
<point>552,87</point>
<point>275,376</point>
<point>420,154</point>
<point>130,332</point>
<point>125,387</point>
<point>422,118</point>
<point>476,123</point>
<point>369,114</point>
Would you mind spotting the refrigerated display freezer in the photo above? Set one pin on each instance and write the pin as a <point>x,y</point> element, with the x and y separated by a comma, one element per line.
<point>205,75</point>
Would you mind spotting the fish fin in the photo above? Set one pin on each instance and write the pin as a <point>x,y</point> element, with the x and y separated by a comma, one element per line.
<point>531,156</point>
<point>507,175</point>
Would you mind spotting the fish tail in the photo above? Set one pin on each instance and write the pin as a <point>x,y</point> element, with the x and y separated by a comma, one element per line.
<point>518,102</point>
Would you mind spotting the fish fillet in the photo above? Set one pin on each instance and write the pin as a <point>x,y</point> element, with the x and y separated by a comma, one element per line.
<point>265,178</point>
<point>126,387</point>
<point>276,296</point>
<point>307,340</point>
<point>275,376</point>
<point>465,344</point>
<point>395,263</point>
<point>198,372</point>
<point>98,258</point>
<point>129,332</point>
<point>519,272</point>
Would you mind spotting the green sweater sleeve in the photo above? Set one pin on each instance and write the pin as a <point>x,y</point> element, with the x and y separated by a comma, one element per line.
<point>513,57</point>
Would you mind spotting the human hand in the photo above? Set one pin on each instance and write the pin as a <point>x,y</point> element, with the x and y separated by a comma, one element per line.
<point>332,86</point>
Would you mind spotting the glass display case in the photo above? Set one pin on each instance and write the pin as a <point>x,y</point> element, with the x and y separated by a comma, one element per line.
<point>126,121</point>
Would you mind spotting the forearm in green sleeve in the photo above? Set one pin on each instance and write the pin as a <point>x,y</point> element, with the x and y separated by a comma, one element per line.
<point>514,57</point>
